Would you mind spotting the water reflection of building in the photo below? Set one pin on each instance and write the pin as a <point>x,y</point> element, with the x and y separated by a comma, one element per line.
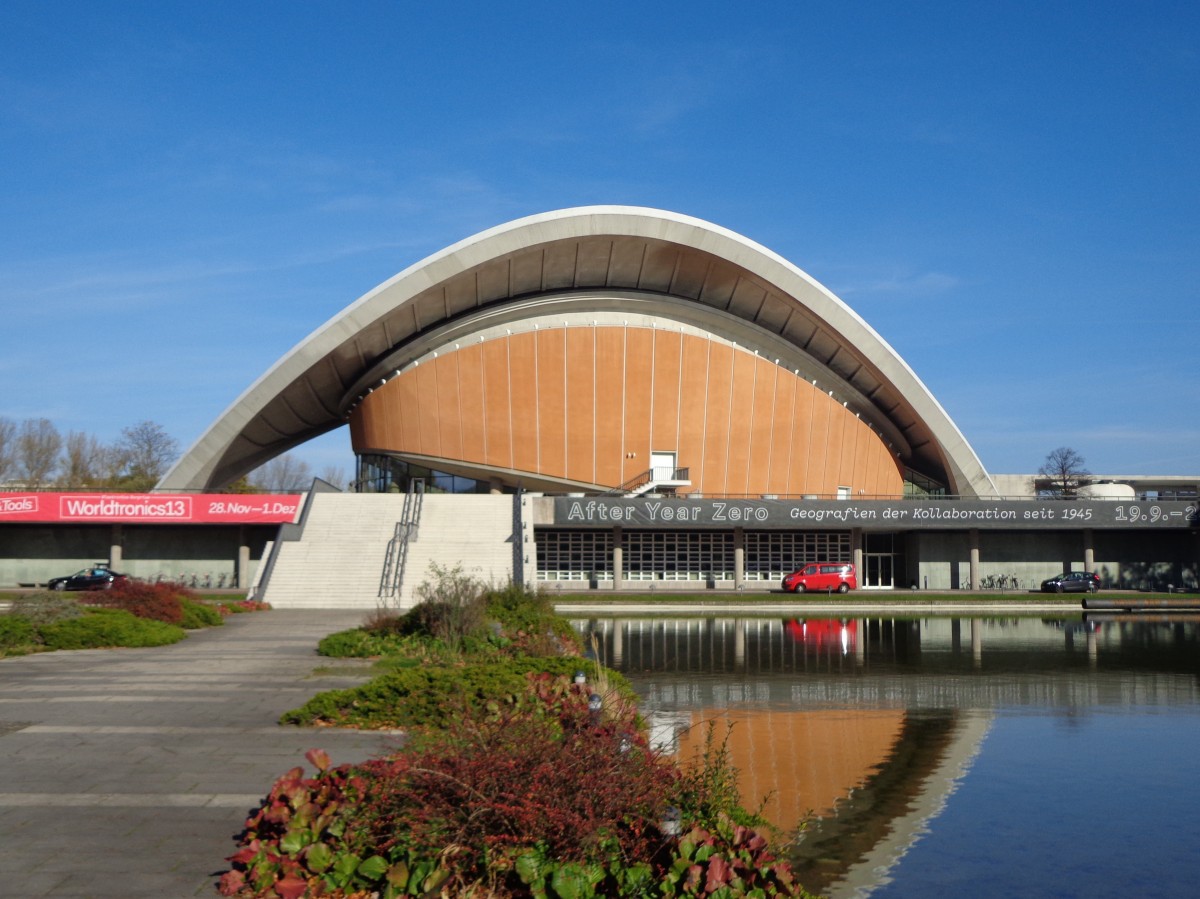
<point>862,782</point>
<point>868,723</point>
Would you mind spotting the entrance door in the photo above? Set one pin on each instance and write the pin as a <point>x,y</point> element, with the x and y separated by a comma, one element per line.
<point>879,571</point>
<point>662,466</point>
<point>880,560</point>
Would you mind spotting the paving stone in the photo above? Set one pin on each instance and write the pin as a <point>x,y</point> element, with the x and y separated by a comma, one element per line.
<point>128,772</point>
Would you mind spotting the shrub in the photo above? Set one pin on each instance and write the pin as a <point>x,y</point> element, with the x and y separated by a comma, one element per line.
<point>459,614</point>
<point>198,615</point>
<point>544,798</point>
<point>158,602</point>
<point>433,697</point>
<point>234,607</point>
<point>527,619</point>
<point>103,628</point>
<point>296,837</point>
<point>451,607</point>
<point>535,783</point>
<point>729,860</point>
<point>16,633</point>
<point>708,788</point>
<point>46,607</point>
<point>360,643</point>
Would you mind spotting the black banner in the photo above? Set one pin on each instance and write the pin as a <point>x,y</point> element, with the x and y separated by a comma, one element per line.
<point>878,515</point>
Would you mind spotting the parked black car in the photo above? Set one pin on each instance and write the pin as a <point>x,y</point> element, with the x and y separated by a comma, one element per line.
<point>89,579</point>
<point>1072,582</point>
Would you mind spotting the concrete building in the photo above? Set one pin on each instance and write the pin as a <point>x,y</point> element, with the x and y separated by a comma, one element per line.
<point>643,398</point>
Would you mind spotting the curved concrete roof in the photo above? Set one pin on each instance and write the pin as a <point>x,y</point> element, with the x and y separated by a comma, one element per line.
<point>591,257</point>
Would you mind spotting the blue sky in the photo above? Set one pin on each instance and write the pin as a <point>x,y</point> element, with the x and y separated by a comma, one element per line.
<point>1008,192</point>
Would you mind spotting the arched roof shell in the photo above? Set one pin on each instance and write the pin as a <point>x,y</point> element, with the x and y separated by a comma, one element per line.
<point>588,253</point>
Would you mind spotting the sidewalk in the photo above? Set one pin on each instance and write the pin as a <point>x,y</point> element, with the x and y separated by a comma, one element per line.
<point>127,773</point>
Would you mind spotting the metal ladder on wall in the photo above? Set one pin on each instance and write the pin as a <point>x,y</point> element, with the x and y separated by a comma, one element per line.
<point>396,556</point>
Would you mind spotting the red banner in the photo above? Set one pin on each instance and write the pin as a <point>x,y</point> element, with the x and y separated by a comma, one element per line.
<point>150,508</point>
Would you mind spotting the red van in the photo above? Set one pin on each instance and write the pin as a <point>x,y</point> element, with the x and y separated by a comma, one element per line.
<point>827,576</point>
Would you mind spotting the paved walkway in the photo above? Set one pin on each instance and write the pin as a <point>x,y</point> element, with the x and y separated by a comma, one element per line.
<point>127,773</point>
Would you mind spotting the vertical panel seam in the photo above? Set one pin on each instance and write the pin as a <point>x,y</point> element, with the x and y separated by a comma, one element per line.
<point>483,390</point>
<point>512,459</point>
<point>624,387</point>
<point>750,433</point>
<point>537,402</point>
<point>704,420</point>
<point>653,366</point>
<point>595,399</point>
<point>679,398</point>
<point>771,431</point>
<point>729,418</point>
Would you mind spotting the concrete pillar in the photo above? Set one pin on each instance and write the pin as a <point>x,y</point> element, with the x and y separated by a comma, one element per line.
<point>618,642</point>
<point>856,549</point>
<point>1089,549</point>
<point>973,536</point>
<point>739,558</point>
<point>114,549</point>
<point>977,642</point>
<point>618,559</point>
<point>243,561</point>
<point>495,487</point>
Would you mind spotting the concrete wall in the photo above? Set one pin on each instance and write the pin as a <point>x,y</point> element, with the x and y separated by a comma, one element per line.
<point>32,554</point>
<point>1123,559</point>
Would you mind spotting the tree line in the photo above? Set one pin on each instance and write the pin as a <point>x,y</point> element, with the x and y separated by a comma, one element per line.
<point>35,455</point>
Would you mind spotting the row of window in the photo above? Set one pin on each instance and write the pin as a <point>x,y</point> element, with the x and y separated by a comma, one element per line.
<point>564,555</point>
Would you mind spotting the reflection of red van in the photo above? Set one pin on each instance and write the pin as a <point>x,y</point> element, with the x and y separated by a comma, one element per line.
<point>824,633</point>
<point>826,576</point>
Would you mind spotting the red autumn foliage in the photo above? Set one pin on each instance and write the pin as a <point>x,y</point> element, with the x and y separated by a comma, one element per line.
<point>160,602</point>
<point>560,779</point>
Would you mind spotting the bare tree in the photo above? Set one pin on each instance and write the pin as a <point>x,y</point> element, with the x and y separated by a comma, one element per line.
<point>86,461</point>
<point>144,452</point>
<point>1064,468</point>
<point>8,448</point>
<point>334,475</point>
<point>39,446</point>
<point>282,474</point>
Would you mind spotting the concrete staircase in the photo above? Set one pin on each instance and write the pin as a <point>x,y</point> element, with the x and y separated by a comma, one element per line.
<point>338,561</point>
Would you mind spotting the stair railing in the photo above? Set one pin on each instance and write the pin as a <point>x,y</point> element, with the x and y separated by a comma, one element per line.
<point>395,560</point>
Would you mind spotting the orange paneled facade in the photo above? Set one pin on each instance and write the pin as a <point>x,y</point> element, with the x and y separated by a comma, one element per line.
<point>587,406</point>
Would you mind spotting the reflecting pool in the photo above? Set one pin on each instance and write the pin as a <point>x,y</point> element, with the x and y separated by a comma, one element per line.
<point>952,756</point>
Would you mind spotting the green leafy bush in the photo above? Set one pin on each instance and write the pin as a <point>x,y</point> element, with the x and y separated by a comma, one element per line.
<point>16,633</point>
<point>237,606</point>
<point>296,838</point>
<point>728,860</point>
<point>433,696</point>
<point>527,618</point>
<point>198,615</point>
<point>361,643</point>
<point>103,628</point>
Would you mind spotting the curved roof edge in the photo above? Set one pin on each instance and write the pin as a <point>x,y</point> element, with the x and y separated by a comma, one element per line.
<point>225,450</point>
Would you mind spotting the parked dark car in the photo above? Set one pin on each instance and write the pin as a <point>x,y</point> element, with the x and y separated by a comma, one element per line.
<point>89,579</point>
<point>1072,582</point>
